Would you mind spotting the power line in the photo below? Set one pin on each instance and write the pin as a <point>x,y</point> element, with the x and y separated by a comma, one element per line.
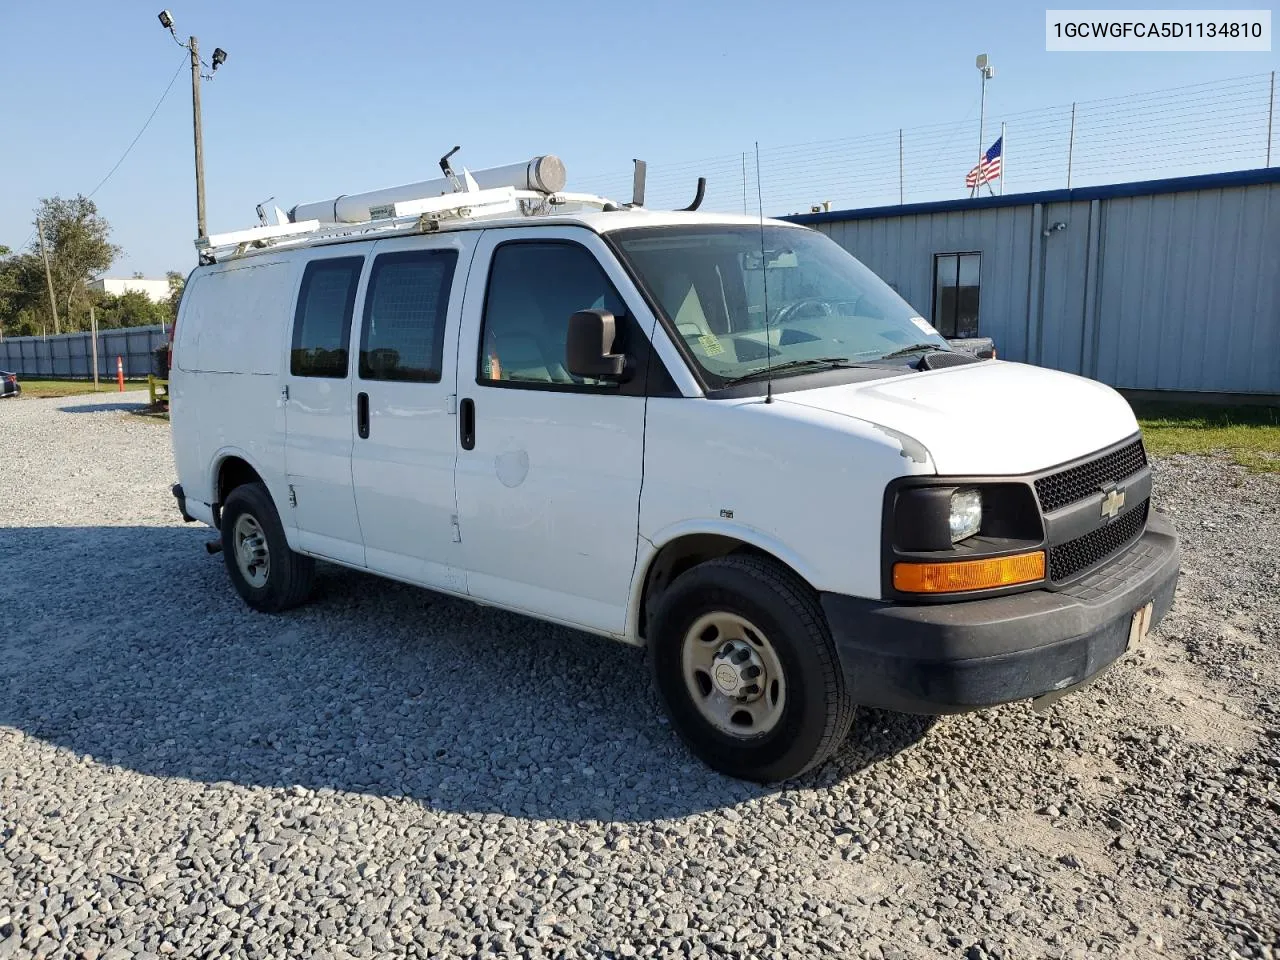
<point>132,143</point>
<point>151,116</point>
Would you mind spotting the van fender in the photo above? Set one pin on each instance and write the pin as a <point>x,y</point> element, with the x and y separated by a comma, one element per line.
<point>648,549</point>
<point>278,496</point>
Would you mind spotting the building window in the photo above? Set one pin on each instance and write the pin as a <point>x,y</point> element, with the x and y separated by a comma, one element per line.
<point>955,293</point>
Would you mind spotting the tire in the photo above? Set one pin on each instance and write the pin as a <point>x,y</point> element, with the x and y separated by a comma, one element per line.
<point>810,711</point>
<point>282,579</point>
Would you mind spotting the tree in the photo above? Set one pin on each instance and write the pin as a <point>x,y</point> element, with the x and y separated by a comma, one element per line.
<point>77,238</point>
<point>177,283</point>
<point>24,297</point>
<point>130,309</point>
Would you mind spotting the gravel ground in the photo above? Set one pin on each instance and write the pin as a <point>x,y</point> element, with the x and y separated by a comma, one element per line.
<point>387,772</point>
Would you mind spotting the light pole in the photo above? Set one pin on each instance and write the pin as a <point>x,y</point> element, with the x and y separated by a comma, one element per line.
<point>219,58</point>
<point>987,72</point>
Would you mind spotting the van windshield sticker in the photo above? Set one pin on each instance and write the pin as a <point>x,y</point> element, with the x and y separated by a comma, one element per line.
<point>711,345</point>
<point>924,325</point>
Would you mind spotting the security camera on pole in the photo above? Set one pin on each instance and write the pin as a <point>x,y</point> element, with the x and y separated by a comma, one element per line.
<point>219,58</point>
<point>987,72</point>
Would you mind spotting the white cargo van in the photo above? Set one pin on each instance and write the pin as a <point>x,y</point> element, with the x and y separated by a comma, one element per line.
<point>720,438</point>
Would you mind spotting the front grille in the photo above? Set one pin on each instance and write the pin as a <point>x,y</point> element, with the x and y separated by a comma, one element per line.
<point>1068,559</point>
<point>1077,483</point>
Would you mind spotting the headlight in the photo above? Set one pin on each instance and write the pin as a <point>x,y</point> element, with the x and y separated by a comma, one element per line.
<point>966,514</point>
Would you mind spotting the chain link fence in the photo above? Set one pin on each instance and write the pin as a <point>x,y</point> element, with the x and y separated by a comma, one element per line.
<point>1208,127</point>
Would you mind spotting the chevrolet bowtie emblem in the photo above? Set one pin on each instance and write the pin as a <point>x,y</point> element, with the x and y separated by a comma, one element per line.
<point>1113,502</point>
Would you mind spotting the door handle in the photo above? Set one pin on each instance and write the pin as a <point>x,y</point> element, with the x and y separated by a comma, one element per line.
<point>362,415</point>
<point>467,423</point>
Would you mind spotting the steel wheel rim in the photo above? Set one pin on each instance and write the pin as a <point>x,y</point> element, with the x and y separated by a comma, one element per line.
<point>733,675</point>
<point>252,556</point>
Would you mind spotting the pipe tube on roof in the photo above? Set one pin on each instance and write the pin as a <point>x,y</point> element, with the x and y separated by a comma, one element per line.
<point>544,174</point>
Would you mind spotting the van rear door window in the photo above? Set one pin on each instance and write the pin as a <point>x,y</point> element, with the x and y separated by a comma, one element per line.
<point>322,322</point>
<point>404,315</point>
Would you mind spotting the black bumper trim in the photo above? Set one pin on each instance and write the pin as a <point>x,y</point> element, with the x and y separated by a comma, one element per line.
<point>956,657</point>
<point>181,497</point>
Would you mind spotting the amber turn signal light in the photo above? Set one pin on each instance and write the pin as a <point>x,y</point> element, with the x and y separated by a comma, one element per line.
<point>958,576</point>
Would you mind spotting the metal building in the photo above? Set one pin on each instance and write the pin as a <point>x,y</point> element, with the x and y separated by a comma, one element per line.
<point>1160,285</point>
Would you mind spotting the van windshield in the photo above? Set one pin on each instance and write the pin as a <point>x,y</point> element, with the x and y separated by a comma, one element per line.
<point>795,303</point>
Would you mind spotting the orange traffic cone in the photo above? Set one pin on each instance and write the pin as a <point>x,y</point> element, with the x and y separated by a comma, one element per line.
<point>120,373</point>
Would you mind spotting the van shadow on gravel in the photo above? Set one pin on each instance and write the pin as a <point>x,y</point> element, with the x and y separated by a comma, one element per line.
<point>128,644</point>
<point>123,406</point>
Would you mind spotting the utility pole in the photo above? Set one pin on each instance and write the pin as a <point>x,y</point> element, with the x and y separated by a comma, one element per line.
<point>48,275</point>
<point>219,58</point>
<point>202,231</point>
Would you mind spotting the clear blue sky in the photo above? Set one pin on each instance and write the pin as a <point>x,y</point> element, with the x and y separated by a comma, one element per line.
<point>320,98</point>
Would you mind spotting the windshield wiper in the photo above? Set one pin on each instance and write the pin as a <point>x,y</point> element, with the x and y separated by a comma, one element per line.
<point>914,348</point>
<point>788,365</point>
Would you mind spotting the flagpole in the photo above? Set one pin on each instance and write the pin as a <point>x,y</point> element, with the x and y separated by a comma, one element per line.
<point>1004,159</point>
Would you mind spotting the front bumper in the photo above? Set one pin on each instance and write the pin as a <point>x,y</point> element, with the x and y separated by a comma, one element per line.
<point>956,657</point>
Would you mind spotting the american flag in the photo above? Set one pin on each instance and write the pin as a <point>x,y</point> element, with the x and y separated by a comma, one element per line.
<point>989,169</point>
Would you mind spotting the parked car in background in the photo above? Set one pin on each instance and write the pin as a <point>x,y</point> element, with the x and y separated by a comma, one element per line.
<point>9,386</point>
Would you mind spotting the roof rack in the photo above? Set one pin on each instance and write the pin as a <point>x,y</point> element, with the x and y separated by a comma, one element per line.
<point>530,189</point>
<point>425,215</point>
<point>533,189</point>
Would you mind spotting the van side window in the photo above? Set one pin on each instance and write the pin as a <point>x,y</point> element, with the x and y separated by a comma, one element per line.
<point>534,287</point>
<point>404,314</point>
<point>322,322</point>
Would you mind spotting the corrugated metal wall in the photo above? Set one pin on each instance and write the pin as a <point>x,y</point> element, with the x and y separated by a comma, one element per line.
<point>1170,291</point>
<point>1189,292</point>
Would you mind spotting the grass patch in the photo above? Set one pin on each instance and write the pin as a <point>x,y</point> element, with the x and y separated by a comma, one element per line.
<point>1249,435</point>
<point>73,388</point>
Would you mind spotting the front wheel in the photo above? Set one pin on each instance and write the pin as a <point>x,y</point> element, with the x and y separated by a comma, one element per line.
<point>265,572</point>
<point>747,669</point>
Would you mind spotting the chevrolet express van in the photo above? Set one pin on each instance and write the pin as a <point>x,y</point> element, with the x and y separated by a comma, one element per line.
<point>720,438</point>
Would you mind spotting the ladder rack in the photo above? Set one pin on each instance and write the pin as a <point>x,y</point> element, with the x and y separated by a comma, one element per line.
<point>407,217</point>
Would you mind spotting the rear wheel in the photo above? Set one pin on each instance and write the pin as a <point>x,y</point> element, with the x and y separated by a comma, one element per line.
<point>747,669</point>
<point>265,572</point>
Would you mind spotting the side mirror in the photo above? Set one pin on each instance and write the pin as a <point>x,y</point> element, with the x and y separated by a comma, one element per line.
<point>588,347</point>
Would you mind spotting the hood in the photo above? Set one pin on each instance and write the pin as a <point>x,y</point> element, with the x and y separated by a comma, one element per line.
<point>991,418</point>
